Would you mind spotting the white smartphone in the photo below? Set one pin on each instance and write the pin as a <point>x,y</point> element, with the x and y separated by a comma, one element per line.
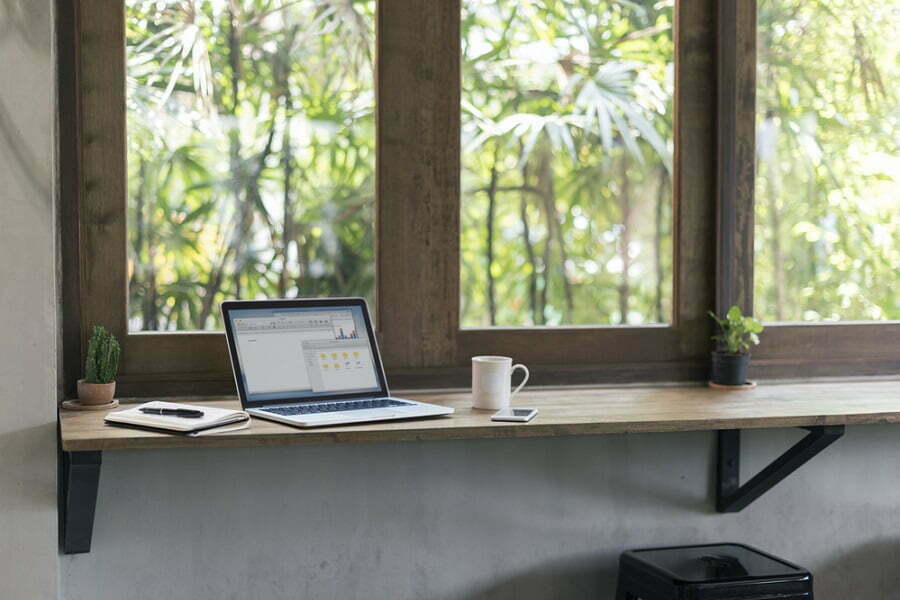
<point>519,415</point>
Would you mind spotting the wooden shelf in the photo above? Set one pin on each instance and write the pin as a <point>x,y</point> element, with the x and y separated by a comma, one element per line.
<point>822,408</point>
<point>563,412</point>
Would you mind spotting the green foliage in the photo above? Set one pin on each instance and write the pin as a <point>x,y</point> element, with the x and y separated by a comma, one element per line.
<point>102,360</point>
<point>738,333</point>
<point>251,157</point>
<point>251,154</point>
<point>567,150</point>
<point>828,168</point>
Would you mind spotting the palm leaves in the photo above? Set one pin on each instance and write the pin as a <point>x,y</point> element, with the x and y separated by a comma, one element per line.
<point>177,48</point>
<point>575,106</point>
<point>829,223</point>
<point>229,104</point>
<point>251,156</point>
<point>607,104</point>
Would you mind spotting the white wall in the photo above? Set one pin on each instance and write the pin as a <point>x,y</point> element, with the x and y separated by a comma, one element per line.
<point>28,541</point>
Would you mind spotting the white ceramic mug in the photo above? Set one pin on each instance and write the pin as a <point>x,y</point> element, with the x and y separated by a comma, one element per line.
<point>492,381</point>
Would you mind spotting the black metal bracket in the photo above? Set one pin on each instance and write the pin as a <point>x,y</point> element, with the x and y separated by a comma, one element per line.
<point>79,479</point>
<point>731,496</point>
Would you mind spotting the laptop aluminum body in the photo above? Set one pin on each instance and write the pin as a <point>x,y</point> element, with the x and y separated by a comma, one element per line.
<point>312,363</point>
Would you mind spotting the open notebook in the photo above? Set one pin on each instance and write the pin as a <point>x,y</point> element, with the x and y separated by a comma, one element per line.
<point>214,420</point>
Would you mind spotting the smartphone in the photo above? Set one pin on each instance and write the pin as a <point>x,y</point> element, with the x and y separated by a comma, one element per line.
<point>519,415</point>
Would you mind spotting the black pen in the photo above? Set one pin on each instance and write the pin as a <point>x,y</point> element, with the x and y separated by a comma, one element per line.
<point>186,413</point>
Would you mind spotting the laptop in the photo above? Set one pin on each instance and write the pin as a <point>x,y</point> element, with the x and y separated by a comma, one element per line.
<point>312,363</point>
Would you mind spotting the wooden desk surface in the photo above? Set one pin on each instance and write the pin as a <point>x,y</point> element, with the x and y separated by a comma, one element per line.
<point>562,412</point>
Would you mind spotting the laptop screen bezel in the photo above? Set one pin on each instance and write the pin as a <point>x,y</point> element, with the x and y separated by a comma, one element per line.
<point>237,369</point>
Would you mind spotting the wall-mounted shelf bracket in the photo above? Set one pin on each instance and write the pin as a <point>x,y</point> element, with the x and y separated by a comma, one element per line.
<point>731,496</point>
<point>78,483</point>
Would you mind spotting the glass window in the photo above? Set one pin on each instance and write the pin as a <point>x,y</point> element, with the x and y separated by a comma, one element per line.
<point>567,160</point>
<point>250,154</point>
<point>828,161</point>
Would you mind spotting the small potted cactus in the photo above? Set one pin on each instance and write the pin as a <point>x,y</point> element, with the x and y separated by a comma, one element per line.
<point>737,335</point>
<point>100,366</point>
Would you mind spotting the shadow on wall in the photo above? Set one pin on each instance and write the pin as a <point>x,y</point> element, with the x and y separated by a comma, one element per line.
<point>26,19</point>
<point>27,450</point>
<point>27,23</point>
<point>594,576</point>
<point>585,576</point>
<point>856,569</point>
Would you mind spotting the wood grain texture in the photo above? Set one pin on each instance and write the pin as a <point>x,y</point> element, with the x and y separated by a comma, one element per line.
<point>104,292</point>
<point>417,220</point>
<point>567,374</point>
<point>637,353</point>
<point>562,413</point>
<point>787,349</point>
<point>695,176</point>
<point>574,345</point>
<point>736,151</point>
<point>823,341</point>
<point>69,152</point>
<point>418,87</point>
<point>418,167</point>
<point>561,375</point>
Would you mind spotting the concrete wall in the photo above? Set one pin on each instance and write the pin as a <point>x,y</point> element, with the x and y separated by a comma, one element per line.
<point>28,560</point>
<point>498,519</point>
<point>501,519</point>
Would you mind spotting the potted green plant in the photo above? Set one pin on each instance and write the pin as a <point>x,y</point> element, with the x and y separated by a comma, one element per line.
<point>100,367</point>
<point>738,333</point>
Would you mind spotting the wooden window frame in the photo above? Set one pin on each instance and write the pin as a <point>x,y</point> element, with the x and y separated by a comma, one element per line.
<point>417,217</point>
<point>788,350</point>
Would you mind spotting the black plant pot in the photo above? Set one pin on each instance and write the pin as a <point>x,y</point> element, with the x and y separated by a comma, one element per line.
<point>729,369</point>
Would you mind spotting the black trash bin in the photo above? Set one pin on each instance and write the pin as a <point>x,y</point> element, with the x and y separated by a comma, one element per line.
<point>710,572</point>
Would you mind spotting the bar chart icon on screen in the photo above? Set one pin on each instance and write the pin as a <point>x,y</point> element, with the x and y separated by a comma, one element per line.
<point>344,326</point>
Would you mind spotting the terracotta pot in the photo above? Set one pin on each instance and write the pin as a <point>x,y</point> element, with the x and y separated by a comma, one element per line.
<point>96,393</point>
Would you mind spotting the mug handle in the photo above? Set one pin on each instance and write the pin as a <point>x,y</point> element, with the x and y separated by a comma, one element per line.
<point>524,380</point>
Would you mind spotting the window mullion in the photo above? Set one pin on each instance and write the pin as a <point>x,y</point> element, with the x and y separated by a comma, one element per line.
<point>103,168</point>
<point>417,228</point>
<point>736,103</point>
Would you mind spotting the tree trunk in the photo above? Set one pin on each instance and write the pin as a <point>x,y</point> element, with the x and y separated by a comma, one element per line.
<point>214,281</point>
<point>545,281</point>
<point>773,190</point>
<point>144,273</point>
<point>287,222</point>
<point>245,187</point>
<point>251,197</point>
<point>658,235</point>
<point>624,243</point>
<point>137,245</point>
<point>547,188</point>
<point>529,249</point>
<point>151,296</point>
<point>282,70</point>
<point>302,261</point>
<point>492,205</point>
<point>775,229</point>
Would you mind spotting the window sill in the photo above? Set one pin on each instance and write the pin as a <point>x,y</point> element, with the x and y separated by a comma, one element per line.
<point>563,412</point>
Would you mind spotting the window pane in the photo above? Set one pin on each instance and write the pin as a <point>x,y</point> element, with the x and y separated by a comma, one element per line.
<point>567,158</point>
<point>828,161</point>
<point>250,154</point>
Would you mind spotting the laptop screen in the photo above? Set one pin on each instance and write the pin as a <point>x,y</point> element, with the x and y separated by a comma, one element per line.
<point>295,353</point>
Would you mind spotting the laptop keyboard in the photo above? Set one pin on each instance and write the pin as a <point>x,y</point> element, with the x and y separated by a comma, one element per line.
<point>310,409</point>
